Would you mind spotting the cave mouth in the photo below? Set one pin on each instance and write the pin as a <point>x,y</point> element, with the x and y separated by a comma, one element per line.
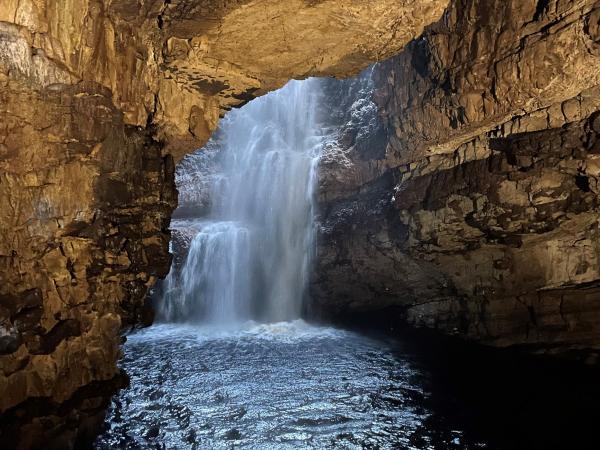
<point>423,221</point>
<point>226,366</point>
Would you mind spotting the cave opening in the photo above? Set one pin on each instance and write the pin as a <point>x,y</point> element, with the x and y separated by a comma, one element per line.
<point>244,231</point>
<point>232,360</point>
<point>420,271</point>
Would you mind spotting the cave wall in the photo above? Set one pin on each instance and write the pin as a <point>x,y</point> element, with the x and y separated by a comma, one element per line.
<point>99,100</point>
<point>85,205</point>
<point>178,65</point>
<point>478,215</point>
<point>470,206</point>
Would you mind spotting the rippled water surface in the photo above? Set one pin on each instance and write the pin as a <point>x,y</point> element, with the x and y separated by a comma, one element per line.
<point>286,385</point>
<point>296,386</point>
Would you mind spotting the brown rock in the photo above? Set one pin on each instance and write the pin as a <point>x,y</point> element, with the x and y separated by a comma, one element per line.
<point>97,99</point>
<point>488,192</point>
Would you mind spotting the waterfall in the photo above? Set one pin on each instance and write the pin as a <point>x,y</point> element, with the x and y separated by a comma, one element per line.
<point>251,254</point>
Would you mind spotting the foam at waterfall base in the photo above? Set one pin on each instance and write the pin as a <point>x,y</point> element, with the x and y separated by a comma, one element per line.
<point>290,331</point>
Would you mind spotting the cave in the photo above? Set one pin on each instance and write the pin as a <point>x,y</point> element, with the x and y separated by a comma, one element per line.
<point>299,224</point>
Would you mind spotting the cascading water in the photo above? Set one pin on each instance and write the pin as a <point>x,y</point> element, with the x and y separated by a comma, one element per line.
<point>250,257</point>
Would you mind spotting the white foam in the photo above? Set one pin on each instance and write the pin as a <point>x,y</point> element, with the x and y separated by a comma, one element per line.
<point>290,331</point>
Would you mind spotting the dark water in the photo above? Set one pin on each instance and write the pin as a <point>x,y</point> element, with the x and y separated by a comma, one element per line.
<point>297,386</point>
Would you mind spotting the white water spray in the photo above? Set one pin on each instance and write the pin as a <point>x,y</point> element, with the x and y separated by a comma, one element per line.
<point>251,258</point>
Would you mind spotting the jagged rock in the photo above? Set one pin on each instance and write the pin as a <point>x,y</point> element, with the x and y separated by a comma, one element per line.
<point>180,64</point>
<point>475,211</point>
<point>85,202</point>
<point>98,98</point>
<point>482,216</point>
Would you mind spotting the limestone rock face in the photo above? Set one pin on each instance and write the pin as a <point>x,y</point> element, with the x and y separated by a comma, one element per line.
<point>479,215</point>
<point>485,64</point>
<point>218,55</point>
<point>85,207</point>
<point>471,206</point>
<point>98,99</point>
<point>178,65</point>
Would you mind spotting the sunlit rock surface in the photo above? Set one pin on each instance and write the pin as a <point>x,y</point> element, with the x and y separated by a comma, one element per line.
<point>98,99</point>
<point>85,205</point>
<point>178,65</point>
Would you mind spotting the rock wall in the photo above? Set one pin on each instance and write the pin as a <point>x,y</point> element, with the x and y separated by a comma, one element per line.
<point>479,214</point>
<point>85,204</point>
<point>179,64</point>
<point>471,207</point>
<point>99,98</point>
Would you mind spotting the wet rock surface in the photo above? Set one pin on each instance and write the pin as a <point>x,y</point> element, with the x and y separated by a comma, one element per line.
<point>178,65</point>
<point>471,207</point>
<point>89,209</point>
